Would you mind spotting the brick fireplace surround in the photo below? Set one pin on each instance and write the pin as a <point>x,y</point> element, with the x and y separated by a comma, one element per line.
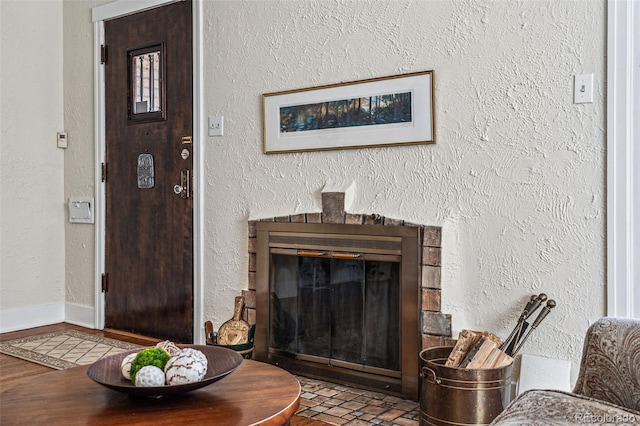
<point>435,326</point>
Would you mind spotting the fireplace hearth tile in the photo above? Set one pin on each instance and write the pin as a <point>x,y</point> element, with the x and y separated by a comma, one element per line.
<point>354,406</point>
<point>327,392</point>
<point>338,411</point>
<point>343,405</point>
<point>332,420</point>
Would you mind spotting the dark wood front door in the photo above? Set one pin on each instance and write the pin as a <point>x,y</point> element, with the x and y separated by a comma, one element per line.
<point>149,211</point>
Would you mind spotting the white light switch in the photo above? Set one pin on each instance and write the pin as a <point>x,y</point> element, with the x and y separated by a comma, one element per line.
<point>583,89</point>
<point>216,125</point>
<point>81,210</point>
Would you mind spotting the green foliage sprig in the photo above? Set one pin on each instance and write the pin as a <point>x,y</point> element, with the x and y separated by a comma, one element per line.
<point>149,356</point>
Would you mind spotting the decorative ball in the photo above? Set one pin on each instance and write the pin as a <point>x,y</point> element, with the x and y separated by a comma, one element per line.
<point>197,355</point>
<point>169,347</point>
<point>125,366</point>
<point>189,366</point>
<point>150,375</point>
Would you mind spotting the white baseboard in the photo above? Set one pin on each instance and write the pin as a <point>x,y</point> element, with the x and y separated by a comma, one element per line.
<point>81,315</point>
<point>36,316</point>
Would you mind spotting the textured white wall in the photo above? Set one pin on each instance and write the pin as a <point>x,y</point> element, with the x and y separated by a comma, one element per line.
<point>79,156</point>
<point>516,178</point>
<point>32,212</point>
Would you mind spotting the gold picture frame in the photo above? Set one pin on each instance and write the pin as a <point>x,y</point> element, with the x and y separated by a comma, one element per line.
<point>385,111</point>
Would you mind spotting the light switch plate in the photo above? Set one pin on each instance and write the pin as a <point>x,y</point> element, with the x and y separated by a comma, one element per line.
<point>583,89</point>
<point>216,124</point>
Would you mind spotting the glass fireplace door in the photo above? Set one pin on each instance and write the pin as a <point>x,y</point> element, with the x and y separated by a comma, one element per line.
<point>336,310</point>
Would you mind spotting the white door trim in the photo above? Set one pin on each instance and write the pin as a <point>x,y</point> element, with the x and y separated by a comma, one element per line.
<point>120,8</point>
<point>623,159</point>
<point>99,15</point>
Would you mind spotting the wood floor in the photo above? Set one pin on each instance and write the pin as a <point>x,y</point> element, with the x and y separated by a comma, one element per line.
<point>12,369</point>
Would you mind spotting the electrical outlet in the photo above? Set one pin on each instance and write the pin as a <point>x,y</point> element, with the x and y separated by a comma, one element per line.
<point>583,89</point>
<point>216,124</point>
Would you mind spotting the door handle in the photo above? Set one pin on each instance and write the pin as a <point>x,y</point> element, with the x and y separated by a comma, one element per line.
<point>184,189</point>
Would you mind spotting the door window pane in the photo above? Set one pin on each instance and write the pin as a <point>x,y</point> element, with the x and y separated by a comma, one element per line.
<point>146,92</point>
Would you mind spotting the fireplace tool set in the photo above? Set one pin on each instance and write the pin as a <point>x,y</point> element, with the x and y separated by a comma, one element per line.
<point>477,372</point>
<point>523,329</point>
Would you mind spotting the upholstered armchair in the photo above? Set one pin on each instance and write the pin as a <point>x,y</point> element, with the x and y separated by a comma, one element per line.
<point>607,390</point>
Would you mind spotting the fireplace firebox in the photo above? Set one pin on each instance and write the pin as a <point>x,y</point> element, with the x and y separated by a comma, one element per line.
<point>340,302</point>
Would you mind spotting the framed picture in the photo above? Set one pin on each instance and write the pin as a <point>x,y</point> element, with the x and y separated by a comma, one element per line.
<point>397,110</point>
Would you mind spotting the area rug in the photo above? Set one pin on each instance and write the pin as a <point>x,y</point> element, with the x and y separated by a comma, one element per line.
<point>64,349</point>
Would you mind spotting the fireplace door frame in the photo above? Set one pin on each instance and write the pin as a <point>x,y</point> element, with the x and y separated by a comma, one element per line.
<point>400,241</point>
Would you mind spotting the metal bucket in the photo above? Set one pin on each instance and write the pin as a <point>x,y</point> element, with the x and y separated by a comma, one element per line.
<point>457,396</point>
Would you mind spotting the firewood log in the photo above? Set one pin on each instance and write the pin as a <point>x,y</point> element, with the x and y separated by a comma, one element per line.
<point>466,340</point>
<point>482,354</point>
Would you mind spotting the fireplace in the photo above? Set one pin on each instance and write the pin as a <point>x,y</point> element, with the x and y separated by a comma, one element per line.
<point>347,298</point>
<point>340,302</point>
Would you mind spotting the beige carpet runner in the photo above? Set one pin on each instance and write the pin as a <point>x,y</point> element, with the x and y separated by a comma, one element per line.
<point>64,349</point>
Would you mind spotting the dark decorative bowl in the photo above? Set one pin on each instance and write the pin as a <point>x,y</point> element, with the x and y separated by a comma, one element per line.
<point>221,362</point>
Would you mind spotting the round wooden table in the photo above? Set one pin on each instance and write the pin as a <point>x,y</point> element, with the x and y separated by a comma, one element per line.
<point>255,394</point>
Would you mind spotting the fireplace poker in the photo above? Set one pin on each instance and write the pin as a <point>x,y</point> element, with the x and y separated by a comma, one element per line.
<point>541,316</point>
<point>515,336</point>
<point>521,320</point>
